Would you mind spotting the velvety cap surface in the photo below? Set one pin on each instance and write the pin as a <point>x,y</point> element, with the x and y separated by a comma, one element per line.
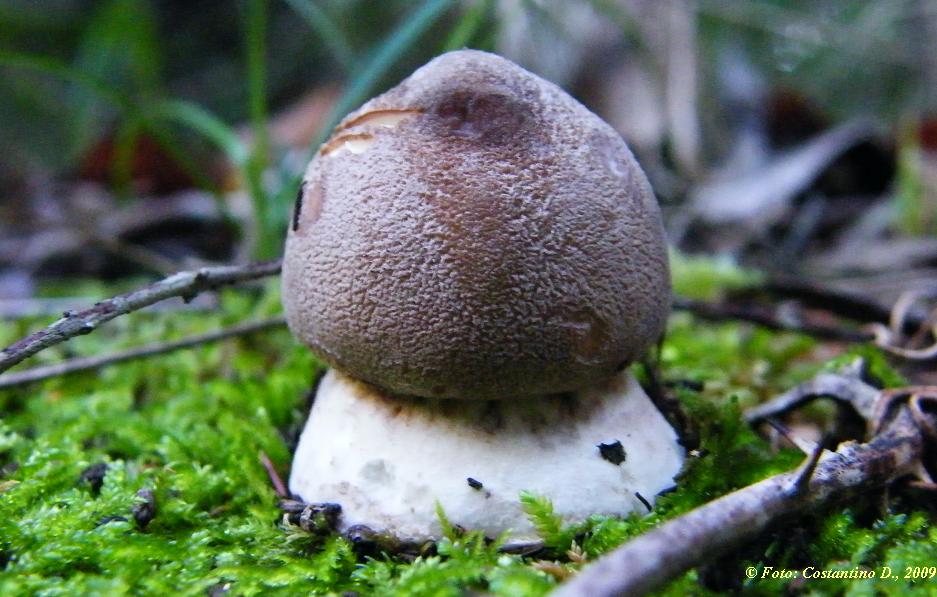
<point>476,232</point>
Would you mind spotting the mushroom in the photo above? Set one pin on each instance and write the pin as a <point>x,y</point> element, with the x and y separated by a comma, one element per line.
<point>478,258</point>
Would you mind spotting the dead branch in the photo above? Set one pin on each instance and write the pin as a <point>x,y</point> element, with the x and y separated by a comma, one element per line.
<point>845,387</point>
<point>767,318</point>
<point>845,304</point>
<point>275,479</point>
<point>18,308</point>
<point>183,284</point>
<point>649,561</point>
<point>35,374</point>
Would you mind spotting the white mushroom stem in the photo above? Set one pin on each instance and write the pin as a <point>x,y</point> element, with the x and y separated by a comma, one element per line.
<point>388,460</point>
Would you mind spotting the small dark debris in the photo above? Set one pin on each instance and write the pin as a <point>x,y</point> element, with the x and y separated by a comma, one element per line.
<point>644,501</point>
<point>145,511</point>
<point>613,452</point>
<point>109,519</point>
<point>427,549</point>
<point>94,476</point>
<point>360,533</point>
<point>320,519</point>
<point>526,549</point>
<point>364,541</point>
<point>475,483</point>
<point>292,506</point>
<point>667,490</point>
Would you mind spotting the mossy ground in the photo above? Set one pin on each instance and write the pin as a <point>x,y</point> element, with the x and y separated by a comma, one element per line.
<point>190,426</point>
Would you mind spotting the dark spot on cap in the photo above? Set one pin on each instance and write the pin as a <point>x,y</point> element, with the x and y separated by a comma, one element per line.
<point>613,452</point>
<point>487,116</point>
<point>475,483</point>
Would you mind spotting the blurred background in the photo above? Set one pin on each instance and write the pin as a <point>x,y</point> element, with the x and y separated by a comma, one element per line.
<point>141,137</point>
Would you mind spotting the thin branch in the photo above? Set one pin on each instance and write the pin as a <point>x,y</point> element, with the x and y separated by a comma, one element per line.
<point>649,561</point>
<point>766,318</point>
<point>47,307</point>
<point>275,479</point>
<point>96,362</point>
<point>183,284</point>
<point>844,304</point>
<point>862,397</point>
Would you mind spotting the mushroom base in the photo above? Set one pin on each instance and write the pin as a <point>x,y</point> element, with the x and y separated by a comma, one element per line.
<point>389,460</point>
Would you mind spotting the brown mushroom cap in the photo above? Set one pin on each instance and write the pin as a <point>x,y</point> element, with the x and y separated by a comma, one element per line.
<point>475,232</point>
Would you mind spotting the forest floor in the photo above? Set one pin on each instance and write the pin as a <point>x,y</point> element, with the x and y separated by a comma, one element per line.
<point>146,477</point>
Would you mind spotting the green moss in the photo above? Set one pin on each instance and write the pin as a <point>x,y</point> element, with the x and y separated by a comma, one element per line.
<point>706,278</point>
<point>190,427</point>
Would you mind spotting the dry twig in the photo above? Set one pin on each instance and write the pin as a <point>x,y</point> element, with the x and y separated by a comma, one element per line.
<point>891,338</point>
<point>902,428</point>
<point>96,362</point>
<point>275,479</point>
<point>766,318</point>
<point>183,284</point>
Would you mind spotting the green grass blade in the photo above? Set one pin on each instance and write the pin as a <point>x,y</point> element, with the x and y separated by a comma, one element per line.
<point>266,227</point>
<point>61,70</point>
<point>256,49</point>
<point>204,122</point>
<point>170,143</point>
<point>330,34</point>
<point>469,25</point>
